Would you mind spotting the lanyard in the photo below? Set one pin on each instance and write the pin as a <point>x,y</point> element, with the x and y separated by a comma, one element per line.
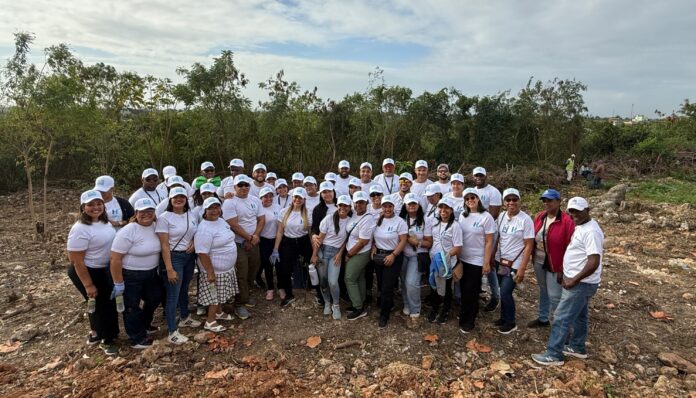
<point>391,183</point>
<point>153,199</point>
<point>284,203</point>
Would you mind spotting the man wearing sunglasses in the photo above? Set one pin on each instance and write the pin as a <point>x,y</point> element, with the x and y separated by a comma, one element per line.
<point>150,179</point>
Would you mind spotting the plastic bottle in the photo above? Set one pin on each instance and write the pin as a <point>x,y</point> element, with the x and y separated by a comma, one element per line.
<point>313,275</point>
<point>91,305</point>
<point>213,290</point>
<point>120,307</point>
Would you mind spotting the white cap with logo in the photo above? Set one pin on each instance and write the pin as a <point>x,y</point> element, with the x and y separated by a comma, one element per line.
<point>309,180</point>
<point>387,161</point>
<point>149,172</point>
<point>271,175</point>
<point>354,182</point>
<point>144,204</point>
<point>103,183</point>
<point>578,203</point>
<point>457,177</point>
<point>406,176</point>
<point>265,191</point>
<point>511,191</point>
<point>208,187</point>
<point>298,176</point>
<point>89,196</point>
<point>299,191</point>
<point>366,164</point>
<point>241,178</point>
<point>343,200</point>
<point>432,189</point>
<point>344,164</point>
<point>177,191</point>
<point>259,166</point>
<point>175,180</point>
<point>236,163</point>
<point>330,176</point>
<point>479,170</point>
<point>410,198</point>
<point>421,163</point>
<point>375,188</point>
<point>280,182</point>
<point>168,171</point>
<point>326,186</point>
<point>211,201</point>
<point>360,195</point>
<point>207,165</point>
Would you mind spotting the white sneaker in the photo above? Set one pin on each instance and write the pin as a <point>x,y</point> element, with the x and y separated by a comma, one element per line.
<point>327,309</point>
<point>336,311</point>
<point>177,338</point>
<point>189,323</point>
<point>406,311</point>
<point>200,311</point>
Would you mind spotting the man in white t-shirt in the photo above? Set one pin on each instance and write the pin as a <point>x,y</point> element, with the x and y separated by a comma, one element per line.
<point>226,189</point>
<point>150,178</point>
<point>312,199</point>
<point>343,178</point>
<point>582,271</point>
<point>388,180</point>
<point>259,176</point>
<point>490,196</point>
<point>297,180</point>
<point>366,176</point>
<point>118,210</point>
<point>245,215</point>
<point>169,171</point>
<point>421,181</point>
<point>443,179</point>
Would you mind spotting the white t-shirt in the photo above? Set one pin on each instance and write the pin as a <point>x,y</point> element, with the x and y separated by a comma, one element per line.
<point>587,239</point>
<point>341,185</point>
<point>365,186</point>
<point>216,239</point>
<point>331,238</point>
<point>360,227</point>
<point>431,212</point>
<point>140,246</point>
<point>247,211</point>
<point>254,190</point>
<point>387,235</point>
<point>390,185</point>
<point>475,227</point>
<point>156,196</point>
<point>113,210</point>
<point>375,213</point>
<point>162,187</point>
<point>311,202</point>
<point>283,202</point>
<point>198,213</point>
<point>180,227</point>
<point>95,240</point>
<point>162,206</point>
<point>445,188</point>
<point>458,204</point>
<point>512,233</point>
<point>444,238</point>
<point>419,231</point>
<point>227,185</point>
<point>489,195</point>
<point>419,187</point>
<point>271,226</point>
<point>294,226</point>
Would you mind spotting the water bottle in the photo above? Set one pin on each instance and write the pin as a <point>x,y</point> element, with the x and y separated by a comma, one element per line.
<point>313,275</point>
<point>120,307</point>
<point>213,290</point>
<point>91,305</point>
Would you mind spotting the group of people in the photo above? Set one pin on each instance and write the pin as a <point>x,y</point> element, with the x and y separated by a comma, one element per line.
<point>593,175</point>
<point>336,237</point>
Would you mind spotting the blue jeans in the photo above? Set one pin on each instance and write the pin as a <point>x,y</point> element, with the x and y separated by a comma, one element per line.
<point>328,274</point>
<point>145,286</point>
<point>507,302</point>
<point>410,284</point>
<point>177,293</point>
<point>571,314</point>
<point>549,291</point>
<point>493,282</point>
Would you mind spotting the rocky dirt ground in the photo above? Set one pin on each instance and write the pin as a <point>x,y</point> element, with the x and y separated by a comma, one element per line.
<point>642,338</point>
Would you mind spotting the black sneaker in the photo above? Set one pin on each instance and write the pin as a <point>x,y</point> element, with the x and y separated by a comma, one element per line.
<point>151,330</point>
<point>507,329</point>
<point>287,301</point>
<point>260,283</point>
<point>383,322</point>
<point>432,316</point>
<point>442,317</point>
<point>143,344</point>
<point>109,349</point>
<point>92,340</point>
<point>351,309</point>
<point>499,322</point>
<point>358,313</point>
<point>492,305</point>
<point>538,324</point>
<point>464,329</point>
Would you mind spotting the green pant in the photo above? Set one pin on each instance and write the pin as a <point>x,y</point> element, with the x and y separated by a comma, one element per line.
<point>248,263</point>
<point>355,278</point>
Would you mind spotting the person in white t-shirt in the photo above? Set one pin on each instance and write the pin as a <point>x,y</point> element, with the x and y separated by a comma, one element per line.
<point>88,246</point>
<point>443,178</point>
<point>457,193</point>
<point>366,176</point>
<point>490,195</point>
<point>292,242</point>
<point>271,178</point>
<point>387,252</point>
<point>150,179</point>
<point>243,213</point>
<point>258,175</point>
<point>217,255</point>
<point>226,186</point>
<point>205,191</point>
<point>326,254</point>
<point>375,206</point>
<point>172,182</point>
<point>432,194</point>
<point>354,185</point>
<point>421,181</point>
<point>310,185</point>
<point>388,180</point>
<point>135,256</point>
<point>297,180</point>
<point>357,253</point>
<point>271,211</point>
<point>582,272</point>
<point>282,199</point>
<point>420,238</point>
<point>175,229</point>
<point>167,172</point>
<point>118,210</point>
<point>478,228</point>
<point>343,178</point>
<point>331,177</point>
<point>513,252</point>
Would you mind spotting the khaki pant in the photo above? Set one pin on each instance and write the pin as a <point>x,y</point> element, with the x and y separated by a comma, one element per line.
<point>355,278</point>
<point>248,262</point>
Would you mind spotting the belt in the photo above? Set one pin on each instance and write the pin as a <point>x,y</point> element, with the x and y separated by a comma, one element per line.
<point>380,251</point>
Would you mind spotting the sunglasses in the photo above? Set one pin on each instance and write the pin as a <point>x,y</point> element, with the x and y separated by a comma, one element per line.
<point>243,185</point>
<point>152,178</point>
<point>513,199</point>
<point>470,198</point>
<point>544,200</point>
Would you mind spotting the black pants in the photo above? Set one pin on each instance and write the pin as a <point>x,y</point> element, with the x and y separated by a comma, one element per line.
<point>290,250</point>
<point>388,280</point>
<point>446,301</point>
<point>265,250</point>
<point>370,277</point>
<point>145,286</point>
<point>470,285</point>
<point>104,320</point>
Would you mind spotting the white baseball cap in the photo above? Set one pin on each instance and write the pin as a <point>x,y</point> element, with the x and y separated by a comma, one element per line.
<point>177,191</point>
<point>354,182</point>
<point>410,198</point>
<point>241,178</point>
<point>103,183</point>
<point>447,202</point>
<point>421,163</point>
<point>343,200</point>
<point>457,177</point>
<point>330,176</point>
<point>432,189</point>
<point>388,199</point>
<point>479,170</point>
<point>309,180</point>
<point>173,180</point>
<point>265,191</point>
<point>471,191</point>
<point>387,161</point>
<point>88,196</point>
<point>343,164</point>
<point>406,176</point>
<point>271,175</point>
<point>298,176</point>
<point>511,191</point>
<point>211,201</point>
<point>578,203</point>
<point>441,165</point>
<point>375,188</point>
<point>236,163</point>
<point>144,204</point>
<point>149,172</point>
<point>208,187</point>
<point>168,171</point>
<point>280,182</point>
<point>360,195</point>
<point>207,165</point>
<point>366,164</point>
<point>326,186</point>
<point>259,166</point>
<point>299,191</point>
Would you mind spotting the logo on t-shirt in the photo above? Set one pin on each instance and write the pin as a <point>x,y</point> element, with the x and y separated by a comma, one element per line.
<point>509,229</point>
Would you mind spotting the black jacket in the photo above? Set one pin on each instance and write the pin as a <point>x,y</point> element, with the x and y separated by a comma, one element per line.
<point>126,208</point>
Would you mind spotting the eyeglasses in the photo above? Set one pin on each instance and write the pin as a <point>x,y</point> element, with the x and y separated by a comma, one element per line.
<point>151,178</point>
<point>372,195</point>
<point>243,185</point>
<point>512,199</point>
<point>470,198</point>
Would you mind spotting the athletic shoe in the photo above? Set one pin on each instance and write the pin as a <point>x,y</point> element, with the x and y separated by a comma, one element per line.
<point>357,314</point>
<point>406,311</point>
<point>383,322</point>
<point>200,310</point>
<point>287,301</point>
<point>92,340</point>
<point>177,338</point>
<point>281,294</point>
<point>224,316</point>
<point>214,327</point>
<point>109,349</point>
<point>538,324</point>
<point>499,322</point>
<point>242,312</point>
<point>547,360</point>
<point>465,329</point>
<point>492,305</point>
<point>189,323</point>
<point>507,329</point>
<point>568,350</point>
<point>336,312</point>
<point>251,303</point>
<point>143,344</point>
<point>327,309</point>
<point>432,316</point>
<point>442,317</point>
<point>151,330</point>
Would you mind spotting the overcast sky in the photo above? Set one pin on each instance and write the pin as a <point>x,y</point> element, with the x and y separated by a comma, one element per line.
<point>628,52</point>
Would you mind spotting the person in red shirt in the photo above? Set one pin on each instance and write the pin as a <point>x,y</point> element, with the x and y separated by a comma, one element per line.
<point>553,229</point>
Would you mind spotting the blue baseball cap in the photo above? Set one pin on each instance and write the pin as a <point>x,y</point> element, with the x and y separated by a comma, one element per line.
<point>551,194</point>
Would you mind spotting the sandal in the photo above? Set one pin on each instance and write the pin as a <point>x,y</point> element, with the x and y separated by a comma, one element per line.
<point>214,327</point>
<point>223,316</point>
<point>269,295</point>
